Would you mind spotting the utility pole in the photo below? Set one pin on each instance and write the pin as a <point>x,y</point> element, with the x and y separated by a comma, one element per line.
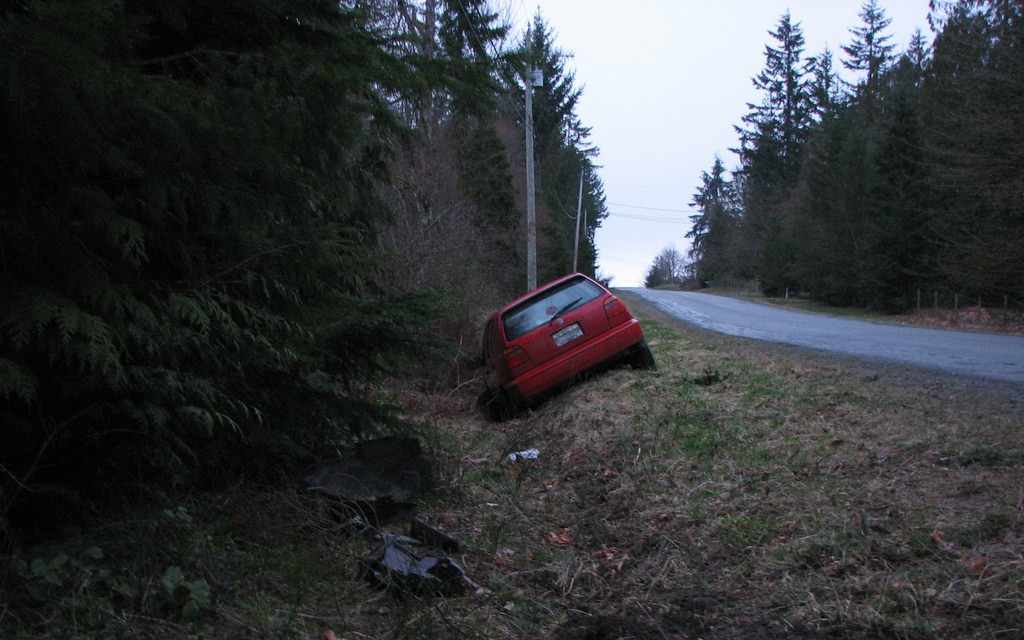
<point>532,79</point>
<point>576,237</point>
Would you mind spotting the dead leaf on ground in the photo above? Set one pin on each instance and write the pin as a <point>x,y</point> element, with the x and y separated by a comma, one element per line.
<point>613,557</point>
<point>936,535</point>
<point>721,508</point>
<point>561,538</point>
<point>607,554</point>
<point>974,566</point>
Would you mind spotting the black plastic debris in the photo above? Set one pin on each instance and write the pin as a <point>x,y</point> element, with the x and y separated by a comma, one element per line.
<point>394,567</point>
<point>374,485</point>
<point>378,480</point>
<point>433,536</point>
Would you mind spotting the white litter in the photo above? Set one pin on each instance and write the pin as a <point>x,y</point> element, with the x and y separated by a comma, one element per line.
<point>529,454</point>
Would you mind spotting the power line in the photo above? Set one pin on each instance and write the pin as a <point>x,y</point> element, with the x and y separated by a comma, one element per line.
<point>615,214</point>
<point>634,206</point>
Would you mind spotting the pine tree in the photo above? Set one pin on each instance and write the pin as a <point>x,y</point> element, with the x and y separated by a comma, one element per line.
<point>917,54</point>
<point>974,88</point>
<point>713,228</point>
<point>825,86</point>
<point>781,123</point>
<point>772,146</point>
<point>870,51</point>
<point>187,223</point>
<point>896,242</point>
<point>831,208</point>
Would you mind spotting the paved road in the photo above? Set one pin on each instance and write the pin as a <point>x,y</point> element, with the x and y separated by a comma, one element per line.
<point>984,355</point>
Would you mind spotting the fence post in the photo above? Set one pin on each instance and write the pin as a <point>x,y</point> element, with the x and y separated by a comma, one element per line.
<point>935,305</point>
<point>919,299</point>
<point>956,302</point>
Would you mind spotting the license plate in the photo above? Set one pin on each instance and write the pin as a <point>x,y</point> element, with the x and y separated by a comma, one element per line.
<point>567,335</point>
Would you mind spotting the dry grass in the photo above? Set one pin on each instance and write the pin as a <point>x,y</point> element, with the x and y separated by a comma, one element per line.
<point>978,318</point>
<point>740,491</point>
<point>971,319</point>
<point>795,496</point>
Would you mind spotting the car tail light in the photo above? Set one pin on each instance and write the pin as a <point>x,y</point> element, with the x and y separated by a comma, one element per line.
<point>616,311</point>
<point>517,359</point>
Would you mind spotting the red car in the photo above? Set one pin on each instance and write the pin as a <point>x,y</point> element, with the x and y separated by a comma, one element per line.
<point>546,338</point>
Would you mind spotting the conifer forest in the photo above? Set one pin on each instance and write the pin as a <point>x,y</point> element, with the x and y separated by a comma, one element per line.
<point>860,193</point>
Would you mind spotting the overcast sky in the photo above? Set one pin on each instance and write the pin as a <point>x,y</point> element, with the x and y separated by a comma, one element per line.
<point>664,82</point>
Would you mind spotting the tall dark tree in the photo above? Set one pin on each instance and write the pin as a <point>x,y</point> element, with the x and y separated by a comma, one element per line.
<point>870,51</point>
<point>974,89</point>
<point>896,242</point>
<point>917,54</point>
<point>470,34</point>
<point>826,89</point>
<point>771,150</point>
<point>781,123</point>
<point>713,228</point>
<point>187,217</point>
<point>453,46</point>
<point>830,206</point>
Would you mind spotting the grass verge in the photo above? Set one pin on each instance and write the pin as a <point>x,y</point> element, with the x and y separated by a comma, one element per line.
<point>740,491</point>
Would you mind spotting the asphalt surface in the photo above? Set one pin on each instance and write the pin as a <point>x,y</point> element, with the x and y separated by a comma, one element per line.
<point>983,355</point>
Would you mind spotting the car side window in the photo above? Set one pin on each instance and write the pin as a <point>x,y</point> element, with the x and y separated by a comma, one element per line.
<point>535,312</point>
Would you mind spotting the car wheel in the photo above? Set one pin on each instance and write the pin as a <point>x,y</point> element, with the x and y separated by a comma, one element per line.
<point>642,358</point>
<point>494,405</point>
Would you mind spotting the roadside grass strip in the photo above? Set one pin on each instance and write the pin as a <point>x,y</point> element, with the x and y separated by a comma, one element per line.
<point>741,490</point>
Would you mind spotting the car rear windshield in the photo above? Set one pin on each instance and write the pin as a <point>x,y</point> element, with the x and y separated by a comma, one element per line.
<point>536,311</point>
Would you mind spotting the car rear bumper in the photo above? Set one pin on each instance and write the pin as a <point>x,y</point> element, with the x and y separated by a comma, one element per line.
<point>609,346</point>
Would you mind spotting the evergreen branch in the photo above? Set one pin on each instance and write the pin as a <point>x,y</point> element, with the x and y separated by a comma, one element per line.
<point>185,55</point>
<point>15,380</point>
<point>272,250</point>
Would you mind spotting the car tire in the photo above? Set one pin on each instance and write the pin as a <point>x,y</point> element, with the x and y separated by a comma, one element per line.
<point>642,358</point>
<point>494,405</point>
